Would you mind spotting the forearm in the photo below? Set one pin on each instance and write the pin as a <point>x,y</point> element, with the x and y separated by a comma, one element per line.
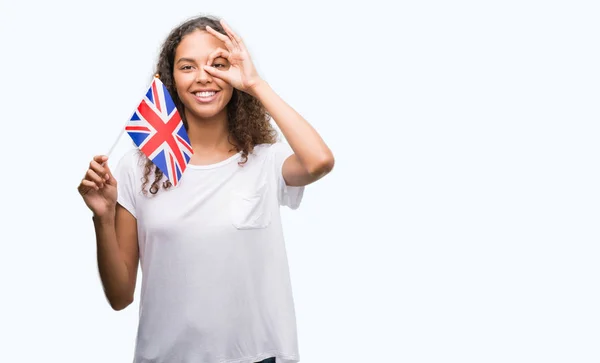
<point>309,147</point>
<point>111,265</point>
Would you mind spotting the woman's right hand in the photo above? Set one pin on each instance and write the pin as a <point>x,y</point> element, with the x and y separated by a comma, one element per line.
<point>99,188</point>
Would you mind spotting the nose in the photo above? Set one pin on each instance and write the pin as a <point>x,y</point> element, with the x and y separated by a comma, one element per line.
<point>203,76</point>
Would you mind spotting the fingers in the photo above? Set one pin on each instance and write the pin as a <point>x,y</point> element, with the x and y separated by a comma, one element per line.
<point>219,52</point>
<point>93,176</point>
<point>99,170</point>
<point>217,73</point>
<point>86,186</point>
<point>224,38</point>
<point>217,34</point>
<point>110,179</point>
<point>96,176</point>
<point>235,38</point>
<point>100,159</point>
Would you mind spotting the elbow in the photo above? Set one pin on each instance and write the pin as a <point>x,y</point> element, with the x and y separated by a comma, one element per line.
<point>323,166</point>
<point>120,304</point>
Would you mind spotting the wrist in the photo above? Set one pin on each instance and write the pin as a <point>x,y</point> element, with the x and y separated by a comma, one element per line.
<point>257,88</point>
<point>104,219</point>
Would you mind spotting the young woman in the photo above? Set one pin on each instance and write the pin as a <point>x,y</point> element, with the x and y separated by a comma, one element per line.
<point>215,284</point>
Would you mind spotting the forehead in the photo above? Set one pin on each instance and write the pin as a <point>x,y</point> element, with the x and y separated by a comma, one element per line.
<point>198,44</point>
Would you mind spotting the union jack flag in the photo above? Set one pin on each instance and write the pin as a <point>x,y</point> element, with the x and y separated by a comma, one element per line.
<point>158,131</point>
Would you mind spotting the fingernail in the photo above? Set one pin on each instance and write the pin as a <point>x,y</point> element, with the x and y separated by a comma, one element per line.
<point>106,177</point>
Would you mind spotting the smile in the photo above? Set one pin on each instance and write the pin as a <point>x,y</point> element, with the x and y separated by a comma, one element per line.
<point>205,96</point>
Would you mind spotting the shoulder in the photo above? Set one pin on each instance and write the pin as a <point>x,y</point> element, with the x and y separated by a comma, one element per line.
<point>273,155</point>
<point>278,147</point>
<point>261,148</point>
<point>131,161</point>
<point>260,151</point>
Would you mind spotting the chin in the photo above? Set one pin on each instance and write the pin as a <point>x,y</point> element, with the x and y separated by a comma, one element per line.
<point>205,112</point>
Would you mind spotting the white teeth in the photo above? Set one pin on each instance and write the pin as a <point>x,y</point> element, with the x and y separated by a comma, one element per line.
<point>205,94</point>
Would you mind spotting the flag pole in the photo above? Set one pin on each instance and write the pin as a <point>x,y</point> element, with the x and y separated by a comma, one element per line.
<point>112,148</point>
<point>114,144</point>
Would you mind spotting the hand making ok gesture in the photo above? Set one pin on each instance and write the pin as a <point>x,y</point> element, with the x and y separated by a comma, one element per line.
<point>241,72</point>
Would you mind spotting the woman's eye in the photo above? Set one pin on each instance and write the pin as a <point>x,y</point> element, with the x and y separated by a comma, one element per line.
<point>186,68</point>
<point>218,65</point>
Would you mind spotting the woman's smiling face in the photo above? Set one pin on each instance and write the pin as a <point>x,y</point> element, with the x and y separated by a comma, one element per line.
<point>203,95</point>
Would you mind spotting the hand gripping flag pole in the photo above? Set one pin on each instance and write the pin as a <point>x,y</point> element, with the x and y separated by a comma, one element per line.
<point>158,131</point>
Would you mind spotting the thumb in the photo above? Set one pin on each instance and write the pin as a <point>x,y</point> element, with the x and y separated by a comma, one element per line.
<point>111,179</point>
<point>217,73</point>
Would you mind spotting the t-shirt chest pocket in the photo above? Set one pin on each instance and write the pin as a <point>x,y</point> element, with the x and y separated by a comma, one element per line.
<point>249,208</point>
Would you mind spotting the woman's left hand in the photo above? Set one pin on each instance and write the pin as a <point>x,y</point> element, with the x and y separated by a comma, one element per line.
<point>241,72</point>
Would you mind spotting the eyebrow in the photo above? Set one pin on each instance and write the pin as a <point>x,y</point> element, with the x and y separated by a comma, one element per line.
<point>190,60</point>
<point>185,60</point>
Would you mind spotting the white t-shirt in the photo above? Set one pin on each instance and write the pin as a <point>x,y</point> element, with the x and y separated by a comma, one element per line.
<point>215,276</point>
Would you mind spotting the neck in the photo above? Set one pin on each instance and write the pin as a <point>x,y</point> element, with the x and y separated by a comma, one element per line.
<point>209,134</point>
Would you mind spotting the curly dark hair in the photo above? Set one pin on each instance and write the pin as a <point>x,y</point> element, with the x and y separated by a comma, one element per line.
<point>248,120</point>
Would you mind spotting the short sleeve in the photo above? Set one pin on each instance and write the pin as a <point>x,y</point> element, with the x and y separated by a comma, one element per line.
<point>288,195</point>
<point>124,173</point>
